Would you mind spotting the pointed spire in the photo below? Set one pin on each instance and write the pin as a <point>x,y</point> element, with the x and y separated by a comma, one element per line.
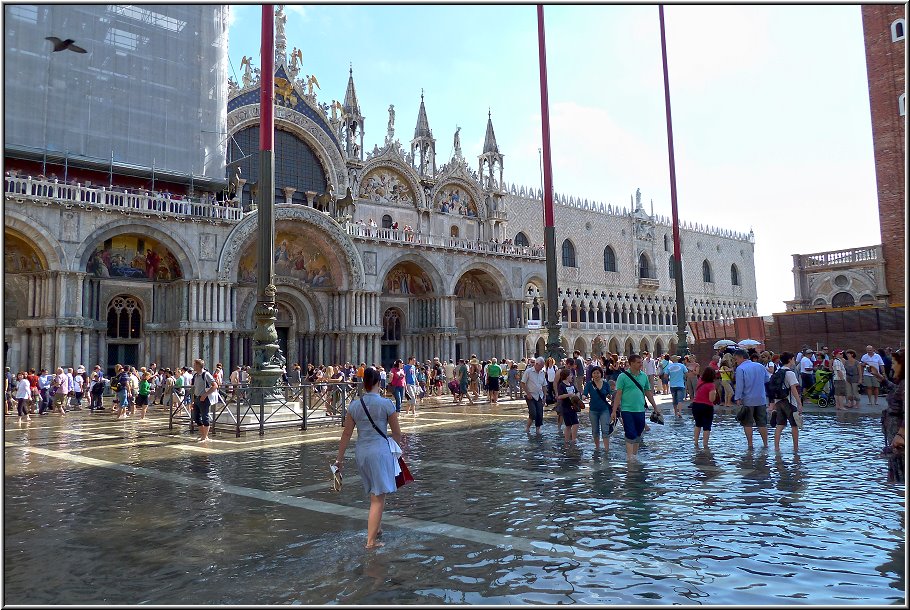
<point>489,142</point>
<point>351,106</point>
<point>423,125</point>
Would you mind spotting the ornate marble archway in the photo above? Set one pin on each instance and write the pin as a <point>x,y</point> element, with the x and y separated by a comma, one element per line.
<point>244,232</point>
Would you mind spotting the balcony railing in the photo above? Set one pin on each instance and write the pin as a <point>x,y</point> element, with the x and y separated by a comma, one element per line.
<point>400,236</point>
<point>840,257</point>
<point>648,282</point>
<point>52,191</point>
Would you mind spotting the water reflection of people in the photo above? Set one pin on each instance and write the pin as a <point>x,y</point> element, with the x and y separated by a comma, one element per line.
<point>706,464</point>
<point>637,512</point>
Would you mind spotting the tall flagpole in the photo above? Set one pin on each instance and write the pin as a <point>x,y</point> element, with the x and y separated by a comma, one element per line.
<point>554,344</point>
<point>267,358</point>
<point>682,347</point>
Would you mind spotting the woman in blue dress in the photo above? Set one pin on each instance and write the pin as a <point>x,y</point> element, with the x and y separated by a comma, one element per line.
<point>375,460</point>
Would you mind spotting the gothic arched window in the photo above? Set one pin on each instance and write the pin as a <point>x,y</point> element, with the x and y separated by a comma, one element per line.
<point>386,222</point>
<point>124,318</point>
<point>568,254</point>
<point>706,271</point>
<point>672,268</point>
<point>391,325</point>
<point>734,275</point>
<point>609,259</point>
<point>521,239</point>
<point>644,266</point>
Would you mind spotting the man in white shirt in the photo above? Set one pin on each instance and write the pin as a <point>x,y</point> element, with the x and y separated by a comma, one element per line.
<point>871,360</point>
<point>533,386</point>
<point>807,369</point>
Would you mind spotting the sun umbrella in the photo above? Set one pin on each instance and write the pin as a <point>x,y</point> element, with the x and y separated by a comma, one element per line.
<point>748,343</point>
<point>723,343</point>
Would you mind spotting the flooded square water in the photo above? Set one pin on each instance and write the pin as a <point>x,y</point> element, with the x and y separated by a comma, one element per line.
<point>104,512</point>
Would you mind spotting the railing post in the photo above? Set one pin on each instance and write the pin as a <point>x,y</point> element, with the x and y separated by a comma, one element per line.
<point>261,413</point>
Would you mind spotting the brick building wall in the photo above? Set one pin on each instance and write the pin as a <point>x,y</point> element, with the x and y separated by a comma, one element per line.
<point>887,81</point>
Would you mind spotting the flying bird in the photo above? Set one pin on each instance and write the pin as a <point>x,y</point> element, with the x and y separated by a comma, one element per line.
<point>63,45</point>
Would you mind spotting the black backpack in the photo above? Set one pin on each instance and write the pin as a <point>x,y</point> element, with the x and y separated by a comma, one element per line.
<point>777,385</point>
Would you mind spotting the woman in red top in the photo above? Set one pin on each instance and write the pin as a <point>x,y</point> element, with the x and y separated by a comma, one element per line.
<point>396,382</point>
<point>703,406</point>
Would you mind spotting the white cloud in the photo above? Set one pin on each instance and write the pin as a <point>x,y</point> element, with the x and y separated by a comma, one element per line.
<point>299,10</point>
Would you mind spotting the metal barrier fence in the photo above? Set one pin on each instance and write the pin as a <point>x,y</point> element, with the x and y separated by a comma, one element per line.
<point>244,408</point>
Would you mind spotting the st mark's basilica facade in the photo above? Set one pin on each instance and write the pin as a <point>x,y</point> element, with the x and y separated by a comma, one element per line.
<point>379,254</point>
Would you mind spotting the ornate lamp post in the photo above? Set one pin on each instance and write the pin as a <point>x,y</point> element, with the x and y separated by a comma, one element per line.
<point>682,347</point>
<point>267,358</point>
<point>554,345</point>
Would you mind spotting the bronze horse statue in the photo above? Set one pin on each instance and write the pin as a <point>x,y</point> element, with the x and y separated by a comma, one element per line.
<point>325,201</point>
<point>345,205</point>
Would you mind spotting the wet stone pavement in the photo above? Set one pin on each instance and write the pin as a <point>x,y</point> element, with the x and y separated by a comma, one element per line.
<point>99,511</point>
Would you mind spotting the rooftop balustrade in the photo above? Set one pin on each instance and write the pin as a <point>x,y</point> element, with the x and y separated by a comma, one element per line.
<point>400,236</point>
<point>50,191</point>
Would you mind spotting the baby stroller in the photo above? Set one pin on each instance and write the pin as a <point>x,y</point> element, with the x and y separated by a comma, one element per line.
<point>822,391</point>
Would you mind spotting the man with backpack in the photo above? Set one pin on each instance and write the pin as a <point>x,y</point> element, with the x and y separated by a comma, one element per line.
<point>784,390</point>
<point>205,394</point>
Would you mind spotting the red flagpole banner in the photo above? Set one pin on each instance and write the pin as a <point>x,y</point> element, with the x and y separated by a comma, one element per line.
<point>267,90</point>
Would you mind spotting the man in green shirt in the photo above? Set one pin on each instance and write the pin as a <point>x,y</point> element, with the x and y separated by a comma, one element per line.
<point>494,372</point>
<point>632,389</point>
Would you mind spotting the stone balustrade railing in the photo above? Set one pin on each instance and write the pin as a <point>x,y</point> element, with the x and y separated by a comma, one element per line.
<point>437,241</point>
<point>839,257</point>
<point>53,191</point>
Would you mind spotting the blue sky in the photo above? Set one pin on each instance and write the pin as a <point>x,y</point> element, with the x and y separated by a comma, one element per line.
<point>770,105</point>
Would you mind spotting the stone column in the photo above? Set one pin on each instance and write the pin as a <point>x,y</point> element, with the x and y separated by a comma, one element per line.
<point>216,347</point>
<point>289,193</point>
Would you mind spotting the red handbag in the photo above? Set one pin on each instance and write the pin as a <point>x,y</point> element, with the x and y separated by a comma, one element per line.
<point>405,476</point>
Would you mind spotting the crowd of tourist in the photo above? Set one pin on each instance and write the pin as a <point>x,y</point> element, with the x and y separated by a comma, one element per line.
<point>764,389</point>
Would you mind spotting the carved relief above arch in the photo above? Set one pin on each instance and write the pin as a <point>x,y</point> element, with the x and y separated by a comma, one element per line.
<point>392,160</point>
<point>302,299</point>
<point>350,266</point>
<point>384,183</point>
<point>38,236</point>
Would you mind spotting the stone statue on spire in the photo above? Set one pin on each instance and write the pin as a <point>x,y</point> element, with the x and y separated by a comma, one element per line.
<point>457,142</point>
<point>280,39</point>
<point>390,135</point>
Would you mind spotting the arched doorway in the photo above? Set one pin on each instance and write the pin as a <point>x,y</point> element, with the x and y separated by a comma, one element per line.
<point>392,329</point>
<point>614,346</point>
<point>581,346</point>
<point>658,348</point>
<point>598,347</point>
<point>541,348</point>
<point>124,332</point>
<point>410,287</point>
<point>644,346</point>
<point>629,348</point>
<point>479,314</point>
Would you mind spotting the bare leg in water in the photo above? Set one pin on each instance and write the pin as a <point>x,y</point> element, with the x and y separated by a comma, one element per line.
<point>374,523</point>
